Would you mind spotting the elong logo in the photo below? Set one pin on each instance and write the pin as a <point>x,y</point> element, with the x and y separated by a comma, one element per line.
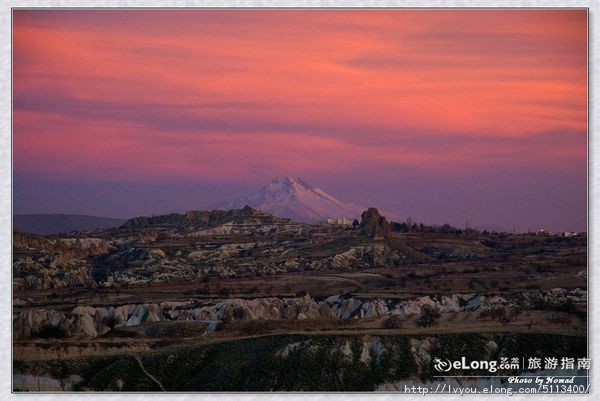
<point>446,365</point>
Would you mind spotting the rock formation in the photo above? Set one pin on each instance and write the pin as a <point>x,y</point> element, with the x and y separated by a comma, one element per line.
<point>373,224</point>
<point>87,321</point>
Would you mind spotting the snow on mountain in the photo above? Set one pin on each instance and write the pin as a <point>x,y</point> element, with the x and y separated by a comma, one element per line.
<point>293,198</point>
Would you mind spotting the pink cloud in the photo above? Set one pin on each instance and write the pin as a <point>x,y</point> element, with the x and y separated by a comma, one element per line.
<point>164,95</point>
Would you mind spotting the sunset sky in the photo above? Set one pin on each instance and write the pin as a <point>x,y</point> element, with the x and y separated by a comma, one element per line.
<point>446,116</point>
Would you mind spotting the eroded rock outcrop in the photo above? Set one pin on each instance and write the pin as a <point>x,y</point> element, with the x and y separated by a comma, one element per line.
<point>46,263</point>
<point>88,321</point>
<point>373,224</point>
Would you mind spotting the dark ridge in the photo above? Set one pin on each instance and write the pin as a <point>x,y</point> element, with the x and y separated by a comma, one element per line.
<point>47,224</point>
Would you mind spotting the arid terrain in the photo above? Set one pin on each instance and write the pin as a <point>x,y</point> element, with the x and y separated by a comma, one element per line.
<point>243,300</point>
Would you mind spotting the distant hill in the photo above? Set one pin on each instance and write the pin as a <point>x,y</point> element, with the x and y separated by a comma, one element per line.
<point>60,223</point>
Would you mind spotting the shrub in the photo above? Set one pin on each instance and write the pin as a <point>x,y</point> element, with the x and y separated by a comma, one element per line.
<point>121,332</point>
<point>220,326</point>
<point>505,316</point>
<point>393,322</point>
<point>568,306</point>
<point>428,317</point>
<point>239,313</point>
<point>228,317</point>
<point>49,331</point>
<point>253,328</point>
<point>497,312</point>
<point>111,322</point>
<point>505,319</point>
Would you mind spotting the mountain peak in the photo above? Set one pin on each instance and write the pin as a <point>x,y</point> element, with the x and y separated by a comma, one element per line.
<point>290,184</point>
<point>287,179</point>
<point>293,198</point>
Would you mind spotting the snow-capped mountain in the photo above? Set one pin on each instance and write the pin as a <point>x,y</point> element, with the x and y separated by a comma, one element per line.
<point>293,198</point>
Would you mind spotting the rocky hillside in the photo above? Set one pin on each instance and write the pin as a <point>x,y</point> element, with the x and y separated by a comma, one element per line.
<point>89,321</point>
<point>187,247</point>
<point>48,262</point>
<point>288,363</point>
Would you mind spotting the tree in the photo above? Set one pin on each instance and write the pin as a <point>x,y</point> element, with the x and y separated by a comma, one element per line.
<point>428,317</point>
<point>48,331</point>
<point>111,322</point>
<point>506,318</point>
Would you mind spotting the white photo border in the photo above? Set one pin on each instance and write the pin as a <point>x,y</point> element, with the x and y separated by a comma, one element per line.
<point>6,179</point>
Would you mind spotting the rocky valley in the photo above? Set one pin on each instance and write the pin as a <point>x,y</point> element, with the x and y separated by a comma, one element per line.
<point>380,297</point>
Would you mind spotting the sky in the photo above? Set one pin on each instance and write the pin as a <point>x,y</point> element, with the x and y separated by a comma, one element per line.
<point>444,116</point>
